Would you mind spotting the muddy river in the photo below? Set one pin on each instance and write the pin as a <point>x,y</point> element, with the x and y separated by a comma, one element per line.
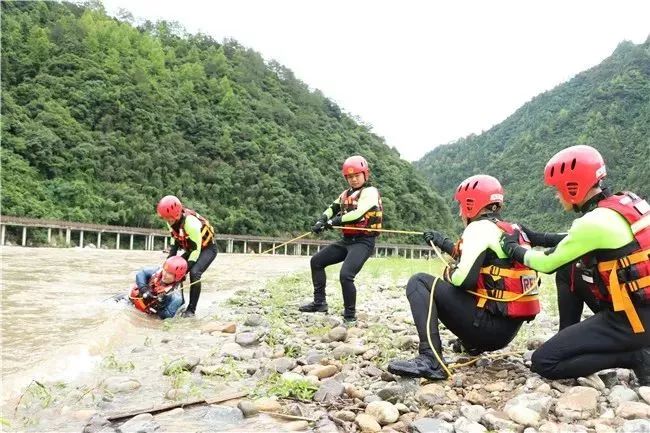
<point>57,324</point>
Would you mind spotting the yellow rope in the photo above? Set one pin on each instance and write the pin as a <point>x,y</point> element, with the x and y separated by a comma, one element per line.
<point>492,356</point>
<point>519,296</point>
<point>448,368</point>
<point>438,357</point>
<point>287,242</point>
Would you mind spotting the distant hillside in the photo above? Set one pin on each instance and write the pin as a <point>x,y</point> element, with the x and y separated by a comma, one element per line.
<point>607,106</point>
<point>100,119</point>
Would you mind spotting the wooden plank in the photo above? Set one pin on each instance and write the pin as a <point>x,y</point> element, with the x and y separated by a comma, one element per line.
<point>168,406</point>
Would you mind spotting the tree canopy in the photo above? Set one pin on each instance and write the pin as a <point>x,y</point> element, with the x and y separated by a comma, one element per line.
<point>101,118</point>
<point>607,107</point>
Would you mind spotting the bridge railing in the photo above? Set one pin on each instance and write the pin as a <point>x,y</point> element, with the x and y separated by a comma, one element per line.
<point>78,234</point>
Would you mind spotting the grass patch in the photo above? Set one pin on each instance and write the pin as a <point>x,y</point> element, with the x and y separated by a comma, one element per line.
<point>112,363</point>
<point>276,385</point>
<point>228,370</point>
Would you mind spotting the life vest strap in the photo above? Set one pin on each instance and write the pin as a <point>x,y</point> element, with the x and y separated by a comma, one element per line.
<point>503,296</point>
<point>621,300</point>
<point>497,271</point>
<point>641,224</point>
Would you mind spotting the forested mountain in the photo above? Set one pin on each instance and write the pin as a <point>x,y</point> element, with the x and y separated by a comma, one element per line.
<point>607,107</point>
<point>100,119</point>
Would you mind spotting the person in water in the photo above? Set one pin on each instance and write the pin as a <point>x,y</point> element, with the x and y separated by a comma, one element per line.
<point>157,289</point>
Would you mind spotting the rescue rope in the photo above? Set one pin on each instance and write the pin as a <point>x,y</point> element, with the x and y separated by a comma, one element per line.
<point>449,368</point>
<point>435,352</point>
<point>287,242</point>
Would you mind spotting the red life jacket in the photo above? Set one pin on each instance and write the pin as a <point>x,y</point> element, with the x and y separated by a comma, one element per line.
<point>507,280</point>
<point>349,200</point>
<point>150,305</point>
<point>207,232</point>
<point>624,274</point>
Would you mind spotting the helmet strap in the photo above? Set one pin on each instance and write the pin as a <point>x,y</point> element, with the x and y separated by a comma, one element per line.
<point>592,203</point>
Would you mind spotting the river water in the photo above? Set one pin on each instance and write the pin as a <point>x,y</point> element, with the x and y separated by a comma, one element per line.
<point>55,319</point>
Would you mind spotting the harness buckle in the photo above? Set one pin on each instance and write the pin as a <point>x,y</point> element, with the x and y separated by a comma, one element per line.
<point>495,271</point>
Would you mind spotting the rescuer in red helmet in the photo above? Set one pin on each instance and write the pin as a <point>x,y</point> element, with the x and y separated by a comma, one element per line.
<point>357,209</point>
<point>193,234</point>
<point>603,261</point>
<point>483,299</point>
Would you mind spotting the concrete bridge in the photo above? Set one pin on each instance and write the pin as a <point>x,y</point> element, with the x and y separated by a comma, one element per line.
<point>82,234</point>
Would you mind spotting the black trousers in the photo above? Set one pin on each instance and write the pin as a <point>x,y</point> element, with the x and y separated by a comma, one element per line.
<point>604,340</point>
<point>208,254</point>
<point>477,328</point>
<point>353,252</point>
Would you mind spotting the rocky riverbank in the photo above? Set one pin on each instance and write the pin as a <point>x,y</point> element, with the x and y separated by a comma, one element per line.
<point>325,377</point>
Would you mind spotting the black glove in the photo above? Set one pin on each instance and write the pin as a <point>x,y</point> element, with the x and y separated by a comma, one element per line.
<point>335,221</point>
<point>437,238</point>
<point>318,227</point>
<point>542,239</point>
<point>510,246</point>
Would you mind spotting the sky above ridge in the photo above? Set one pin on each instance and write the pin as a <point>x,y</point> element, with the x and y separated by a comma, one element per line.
<point>421,73</point>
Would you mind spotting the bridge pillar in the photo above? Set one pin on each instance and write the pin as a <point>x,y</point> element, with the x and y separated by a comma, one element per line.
<point>24,235</point>
<point>117,241</point>
<point>285,249</point>
<point>49,236</point>
<point>245,247</point>
<point>81,239</point>
<point>3,233</point>
<point>68,234</point>
<point>131,242</point>
<point>230,247</point>
<point>308,248</point>
<point>259,247</point>
<point>273,251</point>
<point>99,239</point>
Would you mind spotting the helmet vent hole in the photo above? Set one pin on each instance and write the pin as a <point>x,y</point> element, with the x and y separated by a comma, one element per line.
<point>572,188</point>
<point>562,168</point>
<point>475,184</point>
<point>573,164</point>
<point>552,171</point>
<point>466,187</point>
<point>469,204</point>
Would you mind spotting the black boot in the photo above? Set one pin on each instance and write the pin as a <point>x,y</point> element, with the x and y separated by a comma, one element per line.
<point>642,370</point>
<point>421,366</point>
<point>314,307</point>
<point>187,313</point>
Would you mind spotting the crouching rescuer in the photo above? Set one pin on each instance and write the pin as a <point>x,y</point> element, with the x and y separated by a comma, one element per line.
<point>483,298</point>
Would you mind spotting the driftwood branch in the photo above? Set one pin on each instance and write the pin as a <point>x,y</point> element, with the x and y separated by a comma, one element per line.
<point>283,415</point>
<point>165,407</point>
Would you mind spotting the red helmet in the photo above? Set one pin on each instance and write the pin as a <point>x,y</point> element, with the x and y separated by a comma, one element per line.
<point>476,192</point>
<point>574,171</point>
<point>177,266</point>
<point>170,207</point>
<point>355,164</point>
